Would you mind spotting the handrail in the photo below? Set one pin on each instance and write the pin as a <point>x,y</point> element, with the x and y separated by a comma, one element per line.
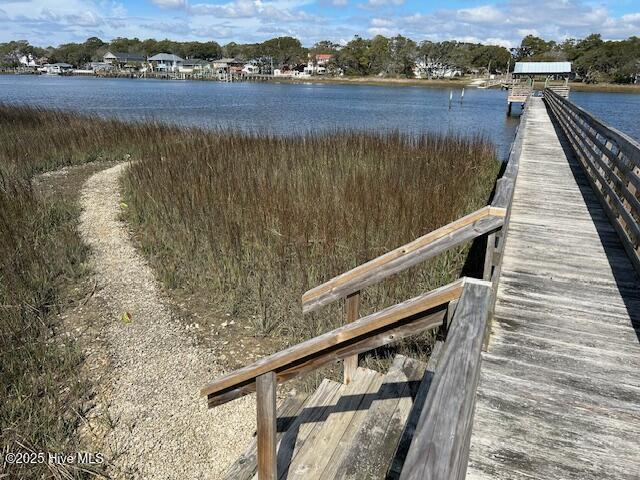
<point>440,446</point>
<point>471,300</point>
<point>611,161</point>
<point>503,197</point>
<point>460,231</point>
<point>334,345</point>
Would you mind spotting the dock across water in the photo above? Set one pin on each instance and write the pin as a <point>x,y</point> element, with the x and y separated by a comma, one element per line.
<point>559,395</point>
<point>539,373</point>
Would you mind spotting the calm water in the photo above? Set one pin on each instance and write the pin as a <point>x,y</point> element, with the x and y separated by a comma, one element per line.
<point>285,108</point>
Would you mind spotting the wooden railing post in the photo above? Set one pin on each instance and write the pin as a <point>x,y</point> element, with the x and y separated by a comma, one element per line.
<point>489,256</point>
<point>266,419</point>
<point>352,307</point>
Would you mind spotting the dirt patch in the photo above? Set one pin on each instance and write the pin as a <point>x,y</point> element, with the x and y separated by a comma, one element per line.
<point>159,426</point>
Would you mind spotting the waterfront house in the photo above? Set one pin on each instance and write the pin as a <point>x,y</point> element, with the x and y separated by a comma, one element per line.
<point>28,61</point>
<point>98,66</point>
<point>228,65</point>
<point>250,69</point>
<point>317,64</point>
<point>430,69</point>
<point>120,60</point>
<point>56,68</point>
<point>166,62</point>
<point>194,65</point>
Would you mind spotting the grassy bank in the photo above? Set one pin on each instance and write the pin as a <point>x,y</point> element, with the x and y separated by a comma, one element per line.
<point>398,82</point>
<point>251,222</point>
<point>455,83</point>
<point>248,222</point>
<point>42,258</point>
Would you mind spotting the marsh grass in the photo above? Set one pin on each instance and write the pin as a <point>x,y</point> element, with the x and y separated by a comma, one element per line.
<point>250,221</point>
<point>41,259</point>
<point>253,221</point>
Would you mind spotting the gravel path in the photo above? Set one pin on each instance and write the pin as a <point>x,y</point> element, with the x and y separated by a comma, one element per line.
<point>162,428</point>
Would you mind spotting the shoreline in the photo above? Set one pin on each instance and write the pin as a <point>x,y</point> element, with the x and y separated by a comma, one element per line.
<point>456,83</point>
<point>401,82</point>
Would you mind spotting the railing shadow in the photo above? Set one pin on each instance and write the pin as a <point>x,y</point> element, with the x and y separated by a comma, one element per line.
<point>625,276</point>
<point>346,403</point>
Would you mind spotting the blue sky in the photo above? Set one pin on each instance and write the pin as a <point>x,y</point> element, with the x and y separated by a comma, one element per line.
<point>51,22</point>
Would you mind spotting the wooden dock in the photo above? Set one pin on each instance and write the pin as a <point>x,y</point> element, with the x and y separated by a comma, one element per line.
<point>559,395</point>
<point>556,393</point>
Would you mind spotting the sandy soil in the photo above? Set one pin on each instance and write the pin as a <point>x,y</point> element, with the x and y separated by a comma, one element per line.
<point>158,426</point>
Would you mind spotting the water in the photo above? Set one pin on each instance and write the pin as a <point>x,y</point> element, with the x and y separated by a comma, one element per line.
<point>619,110</point>
<point>288,108</point>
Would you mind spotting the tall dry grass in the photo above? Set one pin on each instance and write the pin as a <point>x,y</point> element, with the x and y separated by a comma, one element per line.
<point>42,258</point>
<point>252,221</point>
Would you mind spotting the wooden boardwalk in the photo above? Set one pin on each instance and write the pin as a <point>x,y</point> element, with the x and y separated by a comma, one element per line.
<point>559,394</point>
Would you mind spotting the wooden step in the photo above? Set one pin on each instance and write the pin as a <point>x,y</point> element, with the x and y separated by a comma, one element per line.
<point>245,467</point>
<point>373,450</point>
<point>312,414</point>
<point>328,440</point>
<point>356,431</point>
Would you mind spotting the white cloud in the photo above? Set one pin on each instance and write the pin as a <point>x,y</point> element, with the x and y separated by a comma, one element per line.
<point>374,4</point>
<point>501,22</point>
<point>482,14</point>
<point>381,22</point>
<point>169,3</point>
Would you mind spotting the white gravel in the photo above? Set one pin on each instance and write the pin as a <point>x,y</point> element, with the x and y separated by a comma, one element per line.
<point>163,429</point>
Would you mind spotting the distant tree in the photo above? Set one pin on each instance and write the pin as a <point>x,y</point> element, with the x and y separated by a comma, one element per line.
<point>125,45</point>
<point>403,52</point>
<point>492,58</point>
<point>324,46</point>
<point>380,60</point>
<point>533,48</point>
<point>206,50</point>
<point>355,57</point>
<point>284,50</point>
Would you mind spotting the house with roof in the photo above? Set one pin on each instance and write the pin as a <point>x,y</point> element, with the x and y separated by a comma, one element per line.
<point>166,62</point>
<point>228,65</point>
<point>123,60</point>
<point>318,64</point>
<point>194,65</point>
<point>56,68</point>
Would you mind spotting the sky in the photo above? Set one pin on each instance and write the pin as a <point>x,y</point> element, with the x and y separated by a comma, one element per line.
<point>52,22</point>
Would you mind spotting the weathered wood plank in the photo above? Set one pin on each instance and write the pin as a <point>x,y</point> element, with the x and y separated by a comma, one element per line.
<point>373,448</point>
<point>320,447</point>
<point>352,307</point>
<point>266,421</point>
<point>560,387</point>
<point>245,467</point>
<point>395,468</point>
<point>439,449</point>
<point>333,340</point>
<point>456,233</point>
<point>312,415</point>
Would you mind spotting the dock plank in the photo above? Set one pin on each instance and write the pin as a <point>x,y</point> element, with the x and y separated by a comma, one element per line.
<point>559,394</point>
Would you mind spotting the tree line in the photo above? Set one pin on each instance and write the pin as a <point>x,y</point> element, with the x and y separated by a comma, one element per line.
<point>594,59</point>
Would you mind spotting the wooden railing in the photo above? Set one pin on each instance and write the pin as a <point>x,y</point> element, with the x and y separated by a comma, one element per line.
<point>519,93</point>
<point>561,90</point>
<point>440,446</point>
<point>611,160</point>
<point>462,230</point>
